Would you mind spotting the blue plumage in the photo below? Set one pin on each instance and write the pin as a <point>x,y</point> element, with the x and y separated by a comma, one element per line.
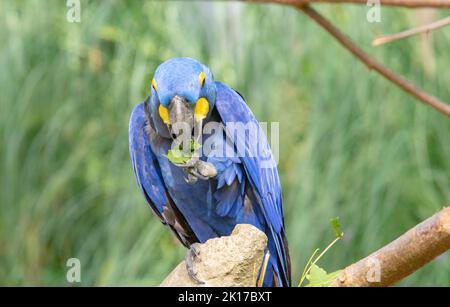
<point>244,189</point>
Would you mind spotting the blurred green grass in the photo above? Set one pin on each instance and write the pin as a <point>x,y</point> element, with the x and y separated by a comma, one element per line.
<point>352,145</point>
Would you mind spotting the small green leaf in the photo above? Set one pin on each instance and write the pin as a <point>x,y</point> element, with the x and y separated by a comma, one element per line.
<point>179,156</point>
<point>318,277</point>
<point>337,227</point>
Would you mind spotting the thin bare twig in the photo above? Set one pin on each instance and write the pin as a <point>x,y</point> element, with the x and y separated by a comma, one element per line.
<point>401,257</point>
<point>398,3</point>
<point>375,65</point>
<point>418,30</point>
<point>371,63</point>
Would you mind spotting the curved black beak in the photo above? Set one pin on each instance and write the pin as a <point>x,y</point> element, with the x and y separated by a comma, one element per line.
<point>181,115</point>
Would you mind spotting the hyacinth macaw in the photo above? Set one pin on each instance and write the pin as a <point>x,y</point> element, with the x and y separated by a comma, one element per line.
<point>212,193</point>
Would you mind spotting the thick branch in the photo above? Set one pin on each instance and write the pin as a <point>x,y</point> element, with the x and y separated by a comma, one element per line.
<point>418,30</point>
<point>401,257</point>
<point>234,260</point>
<point>399,3</point>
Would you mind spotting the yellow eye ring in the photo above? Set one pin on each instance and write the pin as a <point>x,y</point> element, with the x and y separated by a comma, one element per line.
<point>202,78</point>
<point>154,84</point>
<point>164,114</point>
<point>201,109</point>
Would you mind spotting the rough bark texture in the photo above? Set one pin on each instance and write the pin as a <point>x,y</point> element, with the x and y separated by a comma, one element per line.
<point>231,261</point>
<point>401,257</point>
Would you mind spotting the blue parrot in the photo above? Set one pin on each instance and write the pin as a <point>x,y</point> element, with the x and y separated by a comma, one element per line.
<point>207,196</point>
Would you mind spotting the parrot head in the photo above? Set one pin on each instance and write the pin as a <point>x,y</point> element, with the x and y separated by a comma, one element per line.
<point>183,96</point>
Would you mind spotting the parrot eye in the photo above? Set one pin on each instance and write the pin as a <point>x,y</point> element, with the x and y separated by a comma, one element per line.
<point>202,78</point>
<point>154,84</point>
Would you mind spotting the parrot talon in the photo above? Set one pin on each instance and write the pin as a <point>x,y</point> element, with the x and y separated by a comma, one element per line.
<point>193,172</point>
<point>199,170</point>
<point>205,169</point>
<point>191,257</point>
<point>190,178</point>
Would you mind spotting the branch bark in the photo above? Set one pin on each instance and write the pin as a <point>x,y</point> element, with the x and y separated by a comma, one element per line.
<point>234,260</point>
<point>401,257</point>
<point>397,3</point>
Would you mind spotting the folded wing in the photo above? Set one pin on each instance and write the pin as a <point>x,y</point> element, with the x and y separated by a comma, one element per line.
<point>149,178</point>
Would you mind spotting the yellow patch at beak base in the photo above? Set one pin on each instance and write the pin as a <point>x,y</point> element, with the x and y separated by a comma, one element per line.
<point>164,114</point>
<point>201,109</point>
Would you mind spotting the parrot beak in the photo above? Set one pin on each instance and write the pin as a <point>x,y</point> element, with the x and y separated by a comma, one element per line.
<point>181,117</point>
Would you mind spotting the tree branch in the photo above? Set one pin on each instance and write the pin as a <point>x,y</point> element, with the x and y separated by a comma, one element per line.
<point>398,3</point>
<point>234,260</point>
<point>371,63</point>
<point>375,65</point>
<point>418,30</point>
<point>401,257</point>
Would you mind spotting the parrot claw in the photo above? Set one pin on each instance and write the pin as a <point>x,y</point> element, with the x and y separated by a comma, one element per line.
<point>195,175</point>
<point>200,170</point>
<point>191,257</point>
<point>190,178</point>
<point>205,169</point>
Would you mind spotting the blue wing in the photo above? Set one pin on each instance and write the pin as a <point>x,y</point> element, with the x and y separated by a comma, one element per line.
<point>149,178</point>
<point>260,169</point>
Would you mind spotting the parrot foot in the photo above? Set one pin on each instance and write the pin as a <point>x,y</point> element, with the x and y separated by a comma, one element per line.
<point>205,169</point>
<point>200,170</point>
<point>191,257</point>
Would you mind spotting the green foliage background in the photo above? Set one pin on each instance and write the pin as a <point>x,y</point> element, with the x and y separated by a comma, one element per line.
<point>352,145</point>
